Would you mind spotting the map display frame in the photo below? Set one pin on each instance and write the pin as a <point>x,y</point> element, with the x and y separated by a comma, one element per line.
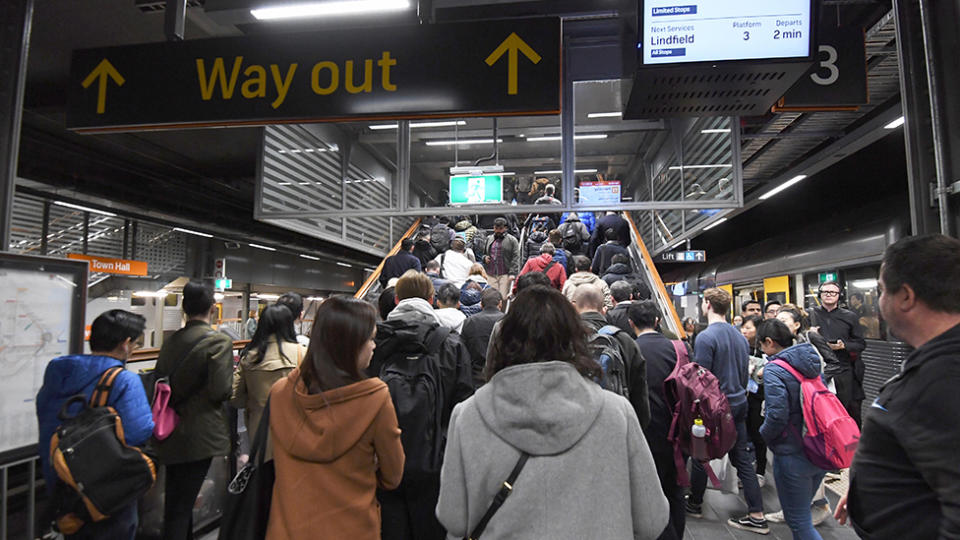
<point>42,317</point>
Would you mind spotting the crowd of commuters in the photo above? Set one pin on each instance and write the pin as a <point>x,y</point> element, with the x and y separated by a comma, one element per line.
<point>409,419</point>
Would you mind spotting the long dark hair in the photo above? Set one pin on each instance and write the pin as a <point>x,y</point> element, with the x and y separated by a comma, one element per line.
<point>276,320</point>
<point>341,327</point>
<point>541,326</point>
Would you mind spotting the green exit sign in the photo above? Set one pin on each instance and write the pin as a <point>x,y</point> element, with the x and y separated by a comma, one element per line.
<point>828,276</point>
<point>223,284</point>
<point>476,189</point>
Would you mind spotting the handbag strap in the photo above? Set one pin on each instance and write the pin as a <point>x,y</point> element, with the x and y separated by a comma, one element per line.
<point>259,446</point>
<point>505,489</point>
<point>181,363</point>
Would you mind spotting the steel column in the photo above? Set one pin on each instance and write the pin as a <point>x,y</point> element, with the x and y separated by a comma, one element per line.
<point>568,151</point>
<point>15,17</point>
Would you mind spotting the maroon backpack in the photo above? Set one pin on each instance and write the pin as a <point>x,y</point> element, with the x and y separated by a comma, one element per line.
<point>695,393</point>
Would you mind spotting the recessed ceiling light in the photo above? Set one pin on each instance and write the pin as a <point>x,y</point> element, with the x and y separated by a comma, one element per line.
<point>188,231</point>
<point>716,166</point>
<point>445,123</point>
<point>321,9</point>
<point>714,224</point>
<point>782,186</point>
<point>461,142</point>
<point>615,114</point>
<point>576,137</point>
<point>895,124</point>
<point>84,208</point>
<point>718,130</point>
<point>258,246</point>
<point>311,257</point>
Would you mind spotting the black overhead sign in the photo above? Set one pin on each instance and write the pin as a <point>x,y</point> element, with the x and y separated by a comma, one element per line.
<point>838,80</point>
<point>507,67</point>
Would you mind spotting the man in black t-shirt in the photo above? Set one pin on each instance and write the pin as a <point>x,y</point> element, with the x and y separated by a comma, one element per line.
<point>661,358</point>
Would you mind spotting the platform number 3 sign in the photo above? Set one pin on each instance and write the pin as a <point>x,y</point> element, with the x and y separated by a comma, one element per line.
<point>829,64</point>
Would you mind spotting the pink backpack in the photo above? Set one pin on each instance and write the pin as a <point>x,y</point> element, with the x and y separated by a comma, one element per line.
<point>830,436</point>
<point>695,393</point>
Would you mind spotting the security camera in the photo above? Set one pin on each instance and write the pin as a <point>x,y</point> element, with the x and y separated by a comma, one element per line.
<point>231,245</point>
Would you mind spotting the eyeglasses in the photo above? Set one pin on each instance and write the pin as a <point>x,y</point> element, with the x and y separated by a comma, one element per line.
<point>830,293</point>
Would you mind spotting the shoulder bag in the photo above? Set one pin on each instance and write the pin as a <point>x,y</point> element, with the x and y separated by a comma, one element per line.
<point>247,508</point>
<point>500,497</point>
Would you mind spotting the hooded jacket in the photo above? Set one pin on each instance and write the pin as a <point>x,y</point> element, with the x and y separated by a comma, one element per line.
<point>590,474</point>
<point>783,421</point>
<point>332,451</point>
<point>252,382</point>
<point>414,310</point>
<point>451,318</point>
<point>477,330</point>
<point>468,229</point>
<point>603,258</point>
<point>470,299</point>
<point>619,271</point>
<point>904,481</point>
<point>586,278</point>
<point>68,376</point>
<point>556,272</point>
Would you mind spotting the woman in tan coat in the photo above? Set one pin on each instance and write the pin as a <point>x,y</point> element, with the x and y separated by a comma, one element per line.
<point>272,354</point>
<point>334,433</point>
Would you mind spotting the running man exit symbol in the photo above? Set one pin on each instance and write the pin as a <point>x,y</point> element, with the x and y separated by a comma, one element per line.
<point>103,70</point>
<point>511,45</point>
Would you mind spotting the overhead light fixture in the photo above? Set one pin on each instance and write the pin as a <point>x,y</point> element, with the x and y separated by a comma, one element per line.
<point>266,248</point>
<point>717,130</point>
<point>575,137</point>
<point>268,297</point>
<point>314,299</point>
<point>322,9</point>
<point>151,294</point>
<point>345,265</point>
<point>310,257</point>
<point>460,142</point>
<point>614,114</point>
<point>218,297</point>
<point>865,283</point>
<point>413,125</point>
<point>196,233</point>
<point>575,171</point>
<point>782,186</point>
<point>714,166</point>
<point>714,224</point>
<point>895,124</point>
<point>83,208</point>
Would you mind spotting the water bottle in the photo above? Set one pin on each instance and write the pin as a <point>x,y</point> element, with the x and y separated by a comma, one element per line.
<point>698,443</point>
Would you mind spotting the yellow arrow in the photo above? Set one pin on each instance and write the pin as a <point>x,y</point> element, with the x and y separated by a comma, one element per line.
<point>103,70</point>
<point>512,44</point>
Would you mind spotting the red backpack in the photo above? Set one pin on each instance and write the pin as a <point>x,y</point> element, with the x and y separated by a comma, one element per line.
<point>830,435</point>
<point>695,393</point>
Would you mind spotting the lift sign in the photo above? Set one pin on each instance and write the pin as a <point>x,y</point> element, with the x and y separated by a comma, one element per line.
<point>442,70</point>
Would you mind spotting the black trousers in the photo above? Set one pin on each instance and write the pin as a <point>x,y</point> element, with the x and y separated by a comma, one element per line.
<point>849,390</point>
<point>183,484</point>
<point>754,421</point>
<point>667,472</point>
<point>409,512</point>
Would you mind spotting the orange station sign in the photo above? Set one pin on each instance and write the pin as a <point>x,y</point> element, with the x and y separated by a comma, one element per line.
<point>112,266</point>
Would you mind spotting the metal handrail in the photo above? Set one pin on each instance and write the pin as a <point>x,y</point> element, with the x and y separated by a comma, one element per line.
<point>658,289</point>
<point>362,292</point>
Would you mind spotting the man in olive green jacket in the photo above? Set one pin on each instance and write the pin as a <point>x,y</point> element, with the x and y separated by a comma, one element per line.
<point>199,364</point>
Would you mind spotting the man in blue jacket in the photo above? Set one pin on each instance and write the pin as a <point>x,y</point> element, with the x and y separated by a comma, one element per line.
<point>114,335</point>
<point>396,265</point>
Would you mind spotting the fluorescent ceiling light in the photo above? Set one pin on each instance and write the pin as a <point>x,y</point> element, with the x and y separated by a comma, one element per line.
<point>459,142</point>
<point>311,257</point>
<point>314,298</point>
<point>188,231</point>
<point>575,171</point>
<point>321,9</point>
<point>864,283</point>
<point>605,115</point>
<point>782,186</point>
<point>344,264</point>
<point>895,124</point>
<point>715,166</point>
<point>723,130</point>
<point>575,137</point>
<point>151,294</point>
<point>445,123</point>
<point>258,246</point>
<point>714,224</point>
<point>268,297</point>
<point>84,208</point>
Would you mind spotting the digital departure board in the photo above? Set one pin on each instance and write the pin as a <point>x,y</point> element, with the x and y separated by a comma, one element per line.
<point>684,31</point>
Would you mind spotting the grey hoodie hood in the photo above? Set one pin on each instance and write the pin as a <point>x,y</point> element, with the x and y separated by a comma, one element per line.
<point>413,310</point>
<point>542,408</point>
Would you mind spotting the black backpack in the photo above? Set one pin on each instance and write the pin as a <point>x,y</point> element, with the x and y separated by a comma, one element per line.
<point>97,473</point>
<point>409,364</point>
<point>606,351</point>
<point>534,242</point>
<point>479,244</point>
<point>440,237</point>
<point>571,239</point>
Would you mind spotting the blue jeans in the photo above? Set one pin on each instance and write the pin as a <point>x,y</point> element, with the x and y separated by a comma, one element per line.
<point>741,455</point>
<point>797,481</point>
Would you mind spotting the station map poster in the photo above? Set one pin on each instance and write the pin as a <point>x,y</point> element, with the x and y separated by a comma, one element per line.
<point>41,319</point>
<point>683,31</point>
<point>602,192</point>
<point>476,189</point>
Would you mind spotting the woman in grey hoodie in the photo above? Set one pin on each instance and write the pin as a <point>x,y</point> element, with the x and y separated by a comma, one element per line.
<point>589,473</point>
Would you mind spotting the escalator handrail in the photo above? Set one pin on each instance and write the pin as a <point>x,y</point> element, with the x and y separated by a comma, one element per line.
<point>659,290</point>
<point>362,292</point>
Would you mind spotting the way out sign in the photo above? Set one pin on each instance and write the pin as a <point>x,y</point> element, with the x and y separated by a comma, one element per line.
<point>463,69</point>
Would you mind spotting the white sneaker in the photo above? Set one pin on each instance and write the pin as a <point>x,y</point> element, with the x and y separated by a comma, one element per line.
<point>775,517</point>
<point>819,514</point>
